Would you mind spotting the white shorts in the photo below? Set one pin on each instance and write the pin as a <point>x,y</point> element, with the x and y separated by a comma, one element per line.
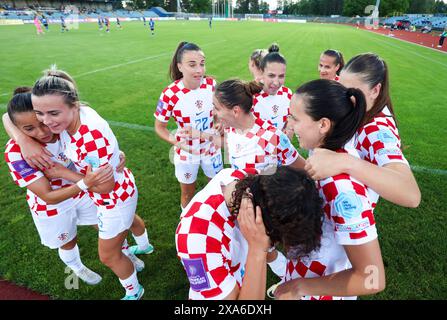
<point>186,172</point>
<point>86,211</point>
<point>112,222</point>
<point>58,230</point>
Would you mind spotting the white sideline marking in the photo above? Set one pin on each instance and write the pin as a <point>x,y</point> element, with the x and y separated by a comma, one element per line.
<point>151,129</point>
<point>136,61</point>
<point>429,170</point>
<point>415,53</point>
<point>134,126</point>
<point>130,126</point>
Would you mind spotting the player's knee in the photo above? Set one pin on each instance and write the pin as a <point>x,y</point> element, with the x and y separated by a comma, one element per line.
<point>109,259</point>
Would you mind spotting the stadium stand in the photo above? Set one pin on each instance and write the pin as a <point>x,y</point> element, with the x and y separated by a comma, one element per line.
<point>91,9</point>
<point>420,21</point>
<point>161,12</point>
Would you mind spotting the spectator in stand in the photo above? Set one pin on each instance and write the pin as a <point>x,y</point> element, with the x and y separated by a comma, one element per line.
<point>427,28</point>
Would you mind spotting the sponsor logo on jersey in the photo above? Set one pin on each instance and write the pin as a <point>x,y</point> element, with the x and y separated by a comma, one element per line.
<point>284,141</point>
<point>160,105</point>
<point>348,204</point>
<point>196,273</point>
<point>390,152</point>
<point>356,227</point>
<point>23,168</point>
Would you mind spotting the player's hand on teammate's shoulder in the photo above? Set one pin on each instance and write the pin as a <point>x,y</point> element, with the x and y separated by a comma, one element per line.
<point>122,164</point>
<point>35,154</point>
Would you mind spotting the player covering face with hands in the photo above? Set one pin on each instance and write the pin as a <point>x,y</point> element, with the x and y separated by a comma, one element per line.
<point>225,236</point>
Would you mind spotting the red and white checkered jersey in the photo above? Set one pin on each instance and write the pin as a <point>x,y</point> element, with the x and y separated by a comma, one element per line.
<point>94,143</point>
<point>274,108</point>
<point>24,175</point>
<point>378,142</point>
<point>209,242</point>
<point>189,108</point>
<point>262,147</point>
<point>349,220</point>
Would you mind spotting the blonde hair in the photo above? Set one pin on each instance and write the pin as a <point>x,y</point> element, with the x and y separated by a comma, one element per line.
<point>57,82</point>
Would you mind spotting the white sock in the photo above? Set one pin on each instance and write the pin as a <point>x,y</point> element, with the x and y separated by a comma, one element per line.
<point>71,258</point>
<point>125,247</point>
<point>142,241</point>
<point>131,284</point>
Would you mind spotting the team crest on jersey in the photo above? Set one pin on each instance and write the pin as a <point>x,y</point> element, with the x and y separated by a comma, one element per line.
<point>199,105</point>
<point>63,236</point>
<point>188,175</point>
<point>275,109</point>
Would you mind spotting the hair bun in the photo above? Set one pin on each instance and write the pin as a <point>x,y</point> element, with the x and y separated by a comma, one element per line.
<point>274,48</point>
<point>252,87</point>
<point>22,90</point>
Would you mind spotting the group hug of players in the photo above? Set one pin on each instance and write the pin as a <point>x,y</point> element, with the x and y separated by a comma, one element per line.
<point>310,220</point>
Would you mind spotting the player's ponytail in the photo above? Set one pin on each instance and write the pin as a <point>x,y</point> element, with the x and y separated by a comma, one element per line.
<point>22,90</point>
<point>345,108</point>
<point>174,72</point>
<point>235,92</point>
<point>257,57</point>
<point>252,88</point>
<point>57,82</point>
<point>272,56</point>
<point>345,128</point>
